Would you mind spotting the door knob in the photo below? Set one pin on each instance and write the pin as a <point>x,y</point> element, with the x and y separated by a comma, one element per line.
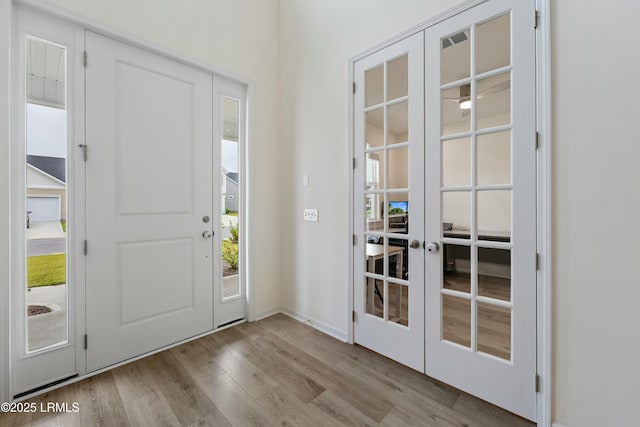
<point>207,234</point>
<point>432,247</point>
<point>414,244</point>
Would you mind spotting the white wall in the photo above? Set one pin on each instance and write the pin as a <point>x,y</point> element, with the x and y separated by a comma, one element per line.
<point>596,152</point>
<point>317,39</point>
<point>597,212</point>
<point>240,37</point>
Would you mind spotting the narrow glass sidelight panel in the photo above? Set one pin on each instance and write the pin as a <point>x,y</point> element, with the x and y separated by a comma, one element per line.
<point>230,182</point>
<point>46,195</point>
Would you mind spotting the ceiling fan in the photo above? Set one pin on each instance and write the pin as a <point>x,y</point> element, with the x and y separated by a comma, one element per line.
<point>464,100</point>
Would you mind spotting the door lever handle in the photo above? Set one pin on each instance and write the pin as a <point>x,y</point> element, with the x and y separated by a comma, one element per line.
<point>207,234</point>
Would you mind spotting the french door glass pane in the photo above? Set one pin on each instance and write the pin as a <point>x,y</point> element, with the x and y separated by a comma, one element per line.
<point>374,128</point>
<point>456,55</point>
<point>494,330</point>
<point>456,210</point>
<point>230,178</point>
<point>399,304</point>
<point>46,195</point>
<point>494,273</point>
<point>456,320</point>
<point>457,266</point>
<point>494,215</point>
<point>374,91</point>
<point>398,124</point>
<point>456,162</point>
<point>493,44</point>
<point>398,168</point>
<point>493,101</point>
<point>456,105</point>
<point>494,158</point>
<point>397,81</point>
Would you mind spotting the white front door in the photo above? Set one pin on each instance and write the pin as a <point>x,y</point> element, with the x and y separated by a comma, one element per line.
<point>388,202</point>
<point>481,184</point>
<point>149,190</point>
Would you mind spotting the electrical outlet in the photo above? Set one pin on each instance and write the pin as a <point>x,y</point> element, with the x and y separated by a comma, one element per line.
<point>311,214</point>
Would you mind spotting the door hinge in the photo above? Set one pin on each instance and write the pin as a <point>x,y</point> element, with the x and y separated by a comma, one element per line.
<point>353,316</point>
<point>85,248</point>
<point>536,21</point>
<point>354,239</point>
<point>86,341</point>
<point>537,142</point>
<point>537,261</point>
<point>354,87</point>
<point>354,163</point>
<point>84,58</point>
<point>84,151</point>
<point>537,383</point>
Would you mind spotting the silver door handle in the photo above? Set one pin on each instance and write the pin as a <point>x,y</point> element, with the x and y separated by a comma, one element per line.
<point>207,234</point>
<point>414,244</point>
<point>432,247</point>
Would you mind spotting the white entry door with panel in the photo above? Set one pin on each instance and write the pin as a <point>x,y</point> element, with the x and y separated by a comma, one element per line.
<point>149,189</point>
<point>468,174</point>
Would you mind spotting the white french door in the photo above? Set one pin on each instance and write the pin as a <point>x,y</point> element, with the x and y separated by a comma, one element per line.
<point>149,197</point>
<point>458,179</point>
<point>480,183</point>
<point>388,202</point>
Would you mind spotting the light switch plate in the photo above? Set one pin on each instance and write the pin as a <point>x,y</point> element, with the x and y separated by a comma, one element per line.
<point>311,214</point>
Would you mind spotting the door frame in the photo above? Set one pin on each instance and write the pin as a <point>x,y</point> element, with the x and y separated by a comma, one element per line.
<point>544,337</point>
<point>7,203</point>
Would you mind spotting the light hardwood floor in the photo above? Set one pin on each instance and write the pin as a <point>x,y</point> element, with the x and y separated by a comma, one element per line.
<point>273,372</point>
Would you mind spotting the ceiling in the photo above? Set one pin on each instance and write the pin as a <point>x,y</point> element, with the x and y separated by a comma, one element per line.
<point>45,69</point>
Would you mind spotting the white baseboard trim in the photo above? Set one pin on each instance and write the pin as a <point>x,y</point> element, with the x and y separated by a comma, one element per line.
<point>316,324</point>
<point>267,313</point>
<point>557,425</point>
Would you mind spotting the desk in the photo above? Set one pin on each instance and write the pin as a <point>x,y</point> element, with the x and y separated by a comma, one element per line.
<point>452,252</point>
<point>374,253</point>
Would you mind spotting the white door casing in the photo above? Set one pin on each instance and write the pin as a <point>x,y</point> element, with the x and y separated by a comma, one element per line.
<point>507,380</point>
<point>388,154</point>
<point>149,185</point>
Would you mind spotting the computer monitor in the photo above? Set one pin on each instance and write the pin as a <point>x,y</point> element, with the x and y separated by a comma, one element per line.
<point>398,208</point>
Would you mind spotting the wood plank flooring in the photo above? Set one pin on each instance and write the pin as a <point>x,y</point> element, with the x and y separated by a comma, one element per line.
<point>273,372</point>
